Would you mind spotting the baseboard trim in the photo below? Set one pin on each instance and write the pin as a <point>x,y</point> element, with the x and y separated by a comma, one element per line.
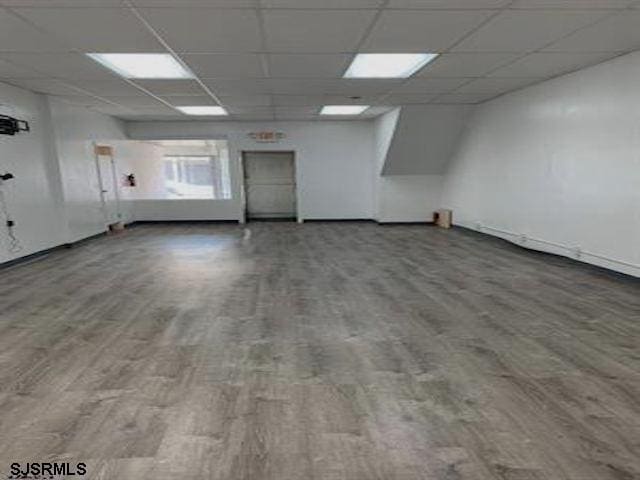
<point>274,219</point>
<point>600,269</point>
<point>392,224</point>
<point>338,220</point>
<point>179,222</point>
<point>48,251</point>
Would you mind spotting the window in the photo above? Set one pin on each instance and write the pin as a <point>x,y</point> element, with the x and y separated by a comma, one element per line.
<point>196,177</point>
<point>178,170</point>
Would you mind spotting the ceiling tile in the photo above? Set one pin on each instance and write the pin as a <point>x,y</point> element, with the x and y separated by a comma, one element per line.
<point>206,30</point>
<point>297,100</point>
<point>431,85</point>
<point>9,70</point>
<point>51,87</point>
<point>311,40</point>
<point>18,36</point>
<point>95,29</point>
<point>171,87</point>
<point>142,118</point>
<point>463,98</point>
<point>115,86</point>
<point>316,66</point>
<point>343,100</point>
<point>549,64</point>
<point>195,3</point>
<point>250,117</point>
<point>62,3</point>
<point>377,110</point>
<point>158,109</point>
<point>285,86</point>
<point>225,65</point>
<point>246,100</point>
<point>466,64</point>
<point>569,4</point>
<point>522,31</point>
<point>407,99</point>
<point>264,110</point>
<point>618,33</point>
<point>238,86</point>
<point>190,100</point>
<point>496,85</point>
<point>112,110</point>
<point>341,86</point>
<point>421,31</point>
<point>320,4</point>
<point>292,117</point>
<point>298,111</point>
<point>449,4</point>
<point>61,65</point>
<point>322,31</point>
<point>136,102</point>
<point>83,100</point>
<point>252,113</point>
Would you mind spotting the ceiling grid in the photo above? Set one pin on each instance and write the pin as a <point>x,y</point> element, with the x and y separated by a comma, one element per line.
<point>285,59</point>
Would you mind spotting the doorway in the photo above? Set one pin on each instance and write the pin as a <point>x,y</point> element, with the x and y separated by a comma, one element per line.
<point>270,185</point>
<point>107,180</point>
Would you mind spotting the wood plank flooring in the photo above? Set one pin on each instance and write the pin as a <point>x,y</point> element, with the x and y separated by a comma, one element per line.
<point>323,351</point>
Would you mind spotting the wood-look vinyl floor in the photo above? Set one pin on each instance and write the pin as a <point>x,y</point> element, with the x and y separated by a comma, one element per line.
<point>323,351</point>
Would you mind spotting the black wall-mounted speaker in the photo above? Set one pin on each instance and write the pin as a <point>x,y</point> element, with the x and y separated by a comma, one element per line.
<point>11,126</point>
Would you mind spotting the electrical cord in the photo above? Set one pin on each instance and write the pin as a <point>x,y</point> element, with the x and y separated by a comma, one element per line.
<point>14,245</point>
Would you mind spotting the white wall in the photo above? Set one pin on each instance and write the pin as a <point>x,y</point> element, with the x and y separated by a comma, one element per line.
<point>413,145</point>
<point>184,210</point>
<point>385,128</point>
<point>425,138</point>
<point>335,165</point>
<point>145,160</point>
<point>76,129</point>
<point>409,198</point>
<point>33,198</point>
<point>54,198</point>
<point>560,164</point>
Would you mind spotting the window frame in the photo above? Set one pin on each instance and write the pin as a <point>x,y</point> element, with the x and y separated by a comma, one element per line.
<point>217,184</point>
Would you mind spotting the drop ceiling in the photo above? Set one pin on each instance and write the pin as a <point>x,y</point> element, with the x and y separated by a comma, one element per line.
<point>284,59</point>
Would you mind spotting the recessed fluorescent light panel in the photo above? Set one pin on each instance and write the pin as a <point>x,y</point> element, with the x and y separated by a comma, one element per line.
<point>343,109</point>
<point>204,110</point>
<point>142,65</point>
<point>388,65</point>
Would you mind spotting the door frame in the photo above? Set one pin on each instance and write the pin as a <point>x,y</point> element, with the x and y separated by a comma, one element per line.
<point>243,155</point>
<point>101,185</point>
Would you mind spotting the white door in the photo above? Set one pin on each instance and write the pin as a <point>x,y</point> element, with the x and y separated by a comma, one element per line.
<point>108,188</point>
<point>270,184</point>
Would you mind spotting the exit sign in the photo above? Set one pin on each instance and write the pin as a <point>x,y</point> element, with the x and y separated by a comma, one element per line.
<point>267,137</point>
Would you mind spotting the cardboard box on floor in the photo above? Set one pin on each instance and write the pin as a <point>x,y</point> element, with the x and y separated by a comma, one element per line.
<point>443,218</point>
